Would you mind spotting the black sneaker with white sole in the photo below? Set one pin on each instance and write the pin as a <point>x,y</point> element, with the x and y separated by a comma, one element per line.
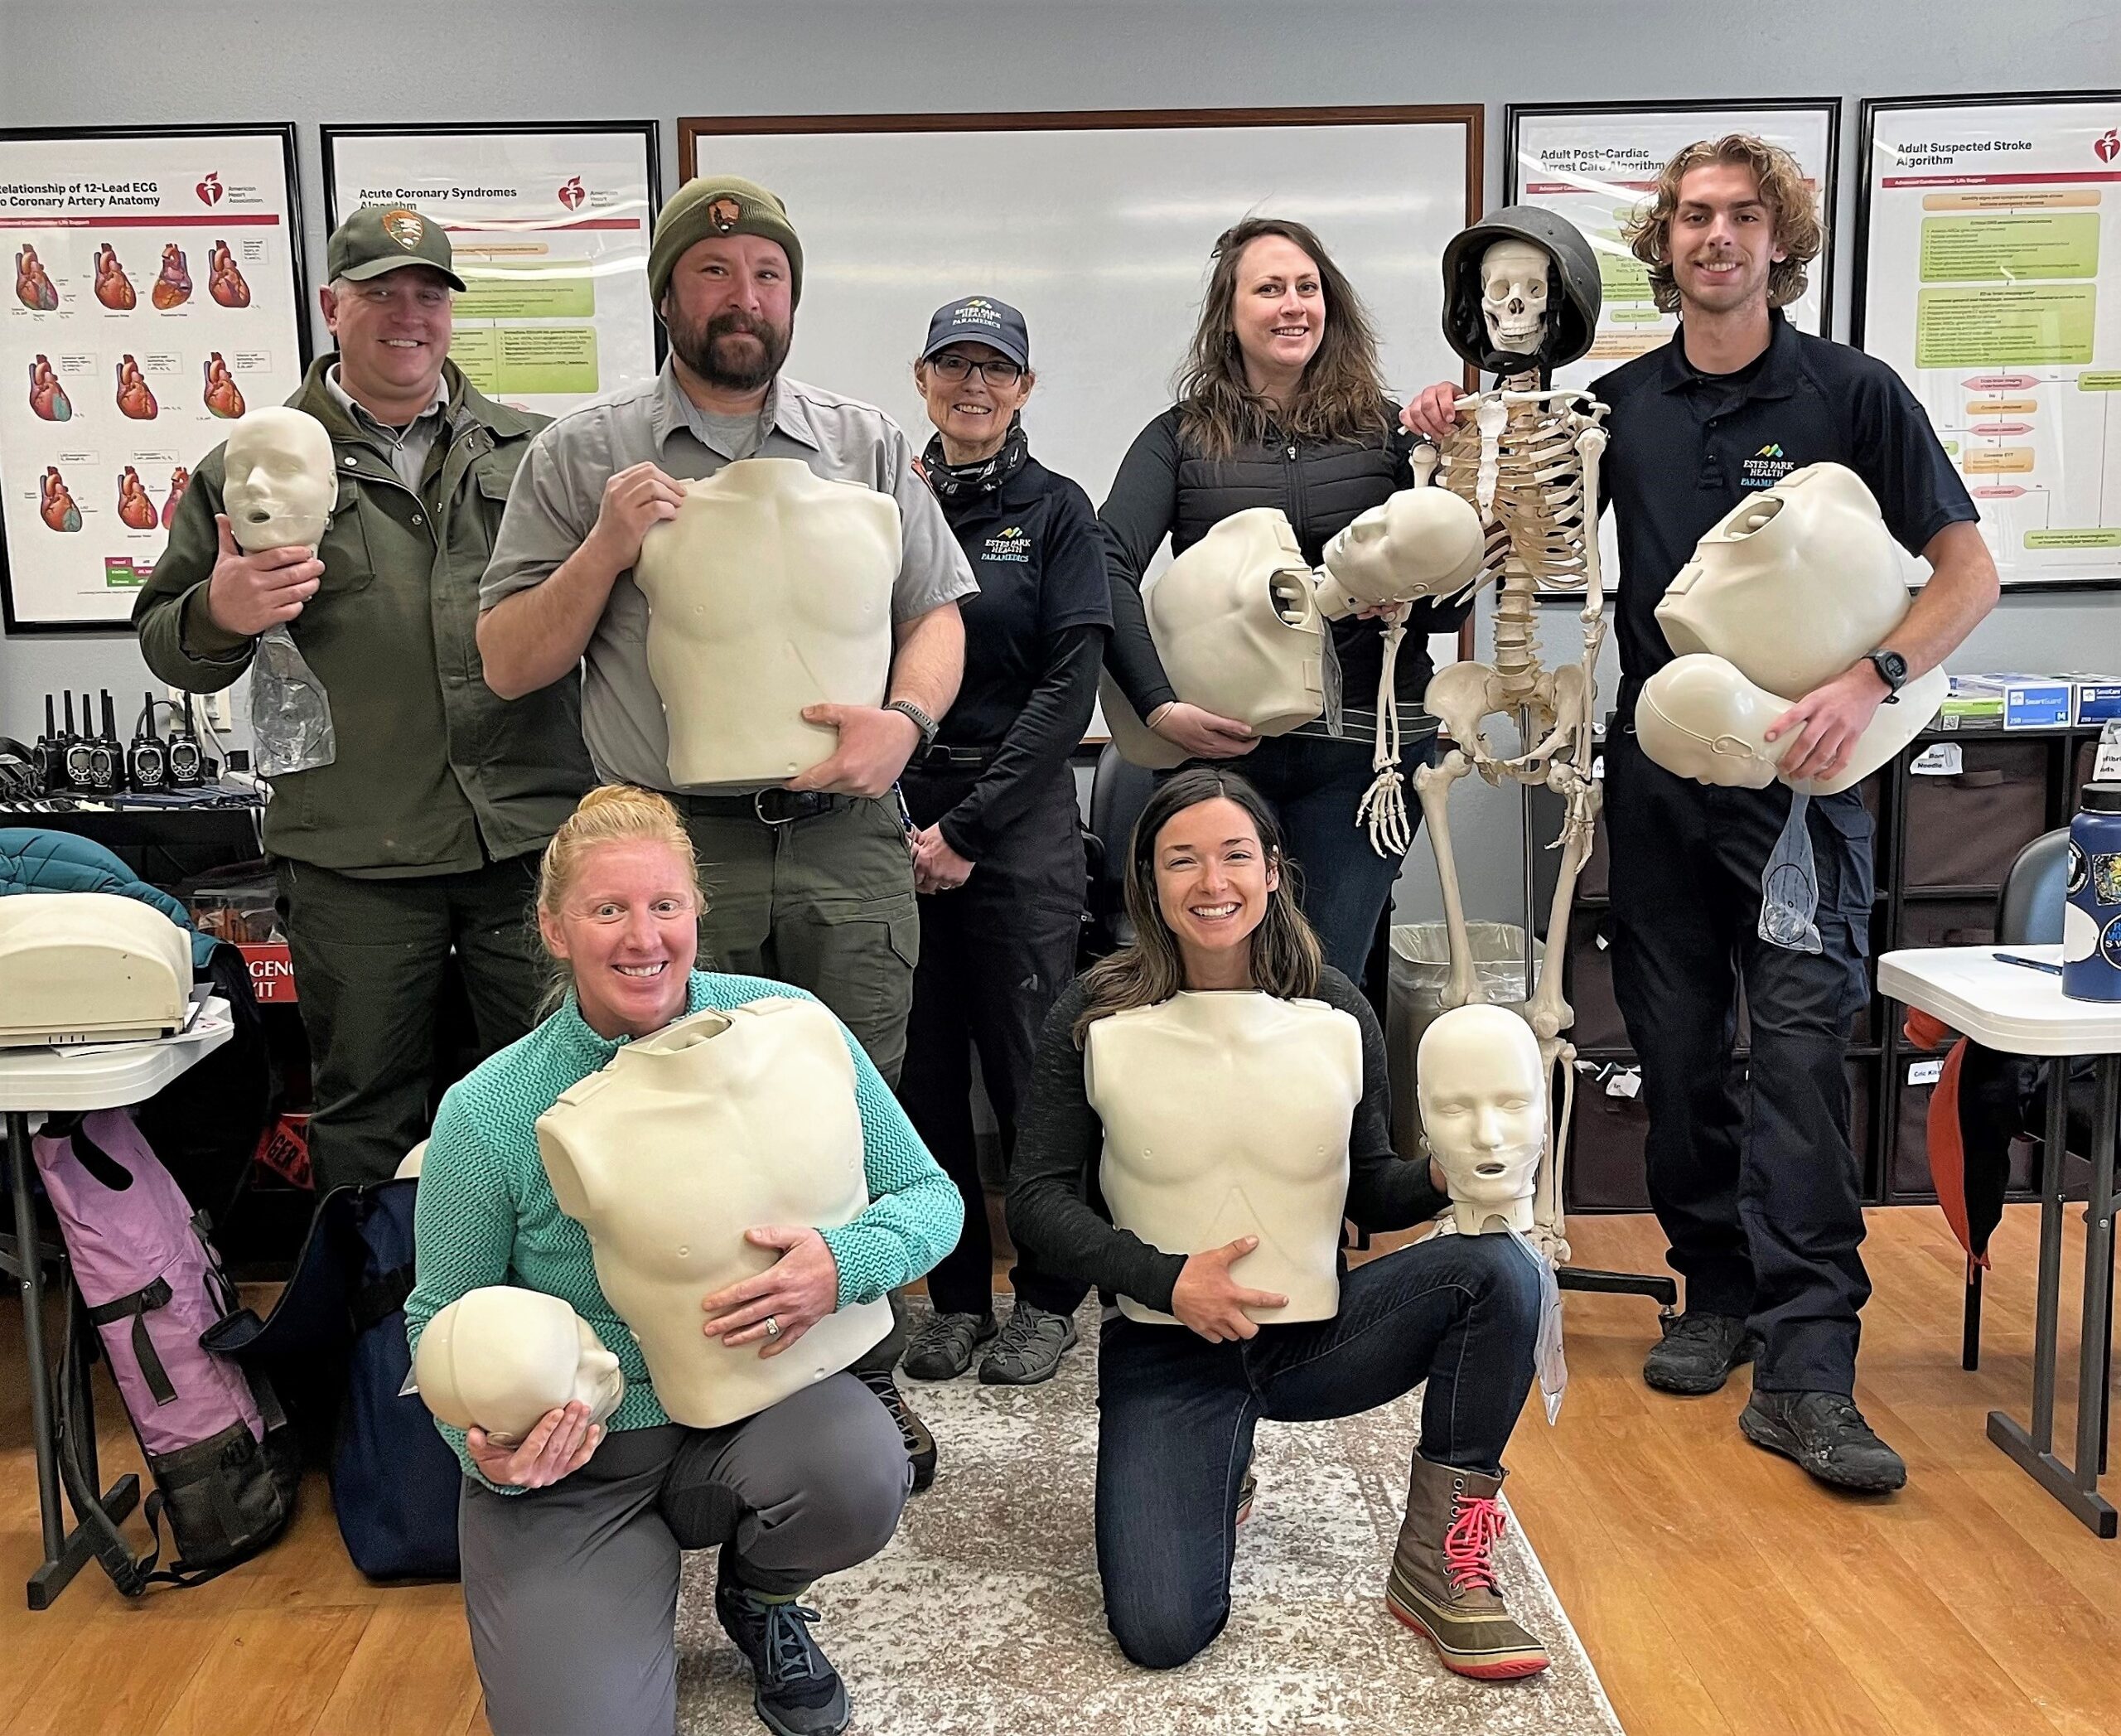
<point>1826,1433</point>
<point>1698,1352</point>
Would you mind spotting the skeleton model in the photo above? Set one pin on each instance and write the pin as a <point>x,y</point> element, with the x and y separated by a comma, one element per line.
<point>1520,298</point>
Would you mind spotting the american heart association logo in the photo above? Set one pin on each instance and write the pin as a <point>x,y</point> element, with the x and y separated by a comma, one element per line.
<point>209,189</point>
<point>2108,145</point>
<point>571,193</point>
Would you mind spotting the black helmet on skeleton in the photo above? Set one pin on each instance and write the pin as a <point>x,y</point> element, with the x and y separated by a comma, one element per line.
<point>1572,290</point>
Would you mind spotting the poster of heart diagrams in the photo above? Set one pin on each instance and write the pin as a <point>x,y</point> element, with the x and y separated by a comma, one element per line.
<point>549,229</point>
<point>1992,282</point>
<point>155,292</point>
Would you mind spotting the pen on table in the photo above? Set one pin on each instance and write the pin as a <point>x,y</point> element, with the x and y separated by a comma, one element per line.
<point>2012,958</point>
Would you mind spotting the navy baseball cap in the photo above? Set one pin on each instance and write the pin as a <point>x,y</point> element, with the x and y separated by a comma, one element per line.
<point>980,319</point>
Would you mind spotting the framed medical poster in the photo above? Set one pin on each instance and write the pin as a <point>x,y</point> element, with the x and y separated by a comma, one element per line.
<point>1597,164</point>
<point>1989,250</point>
<point>157,293</point>
<point>549,223</point>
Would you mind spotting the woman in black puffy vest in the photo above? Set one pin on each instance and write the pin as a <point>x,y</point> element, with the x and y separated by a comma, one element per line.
<point>1280,405</point>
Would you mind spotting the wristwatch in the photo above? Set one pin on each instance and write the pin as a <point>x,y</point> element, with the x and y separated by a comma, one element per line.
<point>1891,668</point>
<point>928,725</point>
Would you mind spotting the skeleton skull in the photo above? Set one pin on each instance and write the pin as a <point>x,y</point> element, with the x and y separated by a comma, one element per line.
<point>1513,296</point>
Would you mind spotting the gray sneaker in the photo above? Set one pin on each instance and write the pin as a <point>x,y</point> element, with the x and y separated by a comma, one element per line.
<point>942,1348</point>
<point>1030,1348</point>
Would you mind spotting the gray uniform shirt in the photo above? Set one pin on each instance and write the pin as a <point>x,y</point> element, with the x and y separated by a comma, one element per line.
<point>407,447</point>
<point>553,505</point>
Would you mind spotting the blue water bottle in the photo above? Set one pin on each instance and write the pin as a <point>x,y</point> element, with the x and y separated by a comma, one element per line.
<point>2091,924</point>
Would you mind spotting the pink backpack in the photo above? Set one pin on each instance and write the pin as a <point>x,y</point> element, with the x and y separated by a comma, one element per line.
<point>226,1465</point>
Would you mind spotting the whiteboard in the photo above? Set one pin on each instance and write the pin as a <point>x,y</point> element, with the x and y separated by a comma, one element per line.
<point>1099,228</point>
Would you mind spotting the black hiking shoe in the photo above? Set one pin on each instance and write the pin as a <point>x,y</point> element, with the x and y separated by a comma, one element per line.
<point>1826,1433</point>
<point>942,1347</point>
<point>1698,1352</point>
<point>798,1693</point>
<point>920,1444</point>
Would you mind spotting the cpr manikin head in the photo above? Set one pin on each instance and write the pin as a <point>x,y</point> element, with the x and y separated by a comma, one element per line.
<point>499,1358</point>
<point>1236,626</point>
<point>1794,585</point>
<point>1419,543</point>
<point>1698,717</point>
<point>279,487</point>
<point>1483,1097</point>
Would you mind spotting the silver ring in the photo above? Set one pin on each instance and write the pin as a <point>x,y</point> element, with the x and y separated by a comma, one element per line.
<point>772,1327</point>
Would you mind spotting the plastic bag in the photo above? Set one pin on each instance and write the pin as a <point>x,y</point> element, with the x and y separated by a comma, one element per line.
<point>1789,886</point>
<point>289,713</point>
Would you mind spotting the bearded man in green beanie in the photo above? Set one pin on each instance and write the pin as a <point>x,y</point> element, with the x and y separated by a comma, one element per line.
<point>811,881</point>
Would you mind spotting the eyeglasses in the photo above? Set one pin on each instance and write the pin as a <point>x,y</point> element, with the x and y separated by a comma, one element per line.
<point>952,367</point>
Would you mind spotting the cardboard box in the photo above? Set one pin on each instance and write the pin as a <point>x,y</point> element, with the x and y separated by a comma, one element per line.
<point>2029,702</point>
<point>2098,697</point>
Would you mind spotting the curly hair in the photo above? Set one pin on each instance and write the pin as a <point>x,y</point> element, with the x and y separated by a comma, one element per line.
<point>1783,189</point>
<point>1341,394</point>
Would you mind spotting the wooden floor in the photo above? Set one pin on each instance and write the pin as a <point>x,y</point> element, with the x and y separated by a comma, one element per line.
<point>1717,1588</point>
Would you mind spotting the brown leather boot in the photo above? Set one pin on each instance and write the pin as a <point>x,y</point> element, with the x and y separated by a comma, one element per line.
<point>1442,1581</point>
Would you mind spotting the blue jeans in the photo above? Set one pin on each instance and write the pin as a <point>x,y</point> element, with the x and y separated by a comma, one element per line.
<point>1176,1416</point>
<point>1314,784</point>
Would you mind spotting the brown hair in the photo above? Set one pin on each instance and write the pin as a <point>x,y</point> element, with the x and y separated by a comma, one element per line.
<point>1341,395</point>
<point>1285,956</point>
<point>610,814</point>
<point>1782,188</point>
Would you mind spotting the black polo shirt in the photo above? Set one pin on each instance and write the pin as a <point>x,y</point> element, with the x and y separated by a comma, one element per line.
<point>1686,447</point>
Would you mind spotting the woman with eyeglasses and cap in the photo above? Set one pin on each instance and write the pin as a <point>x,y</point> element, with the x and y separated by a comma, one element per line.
<point>997,848</point>
<point>1281,404</point>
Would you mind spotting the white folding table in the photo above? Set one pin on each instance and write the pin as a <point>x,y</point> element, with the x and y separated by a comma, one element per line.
<point>34,1083</point>
<point>2022,1011</point>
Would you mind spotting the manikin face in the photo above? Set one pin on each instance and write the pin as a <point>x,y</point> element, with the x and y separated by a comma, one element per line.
<point>279,487</point>
<point>597,1381</point>
<point>1484,1103</point>
<point>971,414</point>
<point>1213,879</point>
<point>394,336</point>
<point>1513,296</point>
<point>1278,314</point>
<point>628,927</point>
<point>1723,240</point>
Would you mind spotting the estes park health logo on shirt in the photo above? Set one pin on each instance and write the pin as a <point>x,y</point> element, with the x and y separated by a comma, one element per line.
<point>1011,544</point>
<point>1765,467</point>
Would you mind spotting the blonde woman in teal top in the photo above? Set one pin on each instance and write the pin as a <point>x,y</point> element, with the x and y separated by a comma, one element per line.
<point>570,1541</point>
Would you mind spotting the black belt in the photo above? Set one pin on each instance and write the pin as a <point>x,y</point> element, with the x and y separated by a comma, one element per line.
<point>768,807</point>
<point>942,759</point>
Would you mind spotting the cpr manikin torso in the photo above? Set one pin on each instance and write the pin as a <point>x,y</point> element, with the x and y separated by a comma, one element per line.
<point>771,591</point>
<point>1228,1114</point>
<point>89,966</point>
<point>1789,589</point>
<point>721,1122</point>
<point>278,484</point>
<point>1237,628</point>
<point>1483,1095</point>
<point>499,1358</point>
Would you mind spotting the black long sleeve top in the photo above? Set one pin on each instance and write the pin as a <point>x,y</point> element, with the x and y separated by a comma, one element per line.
<point>1164,487</point>
<point>1055,1205</point>
<point>1034,637</point>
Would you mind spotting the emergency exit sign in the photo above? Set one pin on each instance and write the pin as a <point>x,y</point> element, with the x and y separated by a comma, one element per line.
<point>272,972</point>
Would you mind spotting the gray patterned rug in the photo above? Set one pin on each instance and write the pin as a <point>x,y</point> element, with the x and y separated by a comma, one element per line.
<point>982,1618</point>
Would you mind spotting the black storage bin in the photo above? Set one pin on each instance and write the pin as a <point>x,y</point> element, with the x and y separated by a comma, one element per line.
<point>1967,829</point>
<point>1946,922</point>
<point>1590,984</point>
<point>1604,1171</point>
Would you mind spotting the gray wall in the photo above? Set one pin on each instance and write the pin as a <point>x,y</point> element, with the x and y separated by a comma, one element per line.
<point>470,59</point>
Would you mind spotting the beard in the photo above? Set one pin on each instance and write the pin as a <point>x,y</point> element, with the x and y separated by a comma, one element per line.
<point>715,350</point>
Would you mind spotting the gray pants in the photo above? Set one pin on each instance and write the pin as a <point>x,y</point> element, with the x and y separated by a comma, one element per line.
<point>572,1591</point>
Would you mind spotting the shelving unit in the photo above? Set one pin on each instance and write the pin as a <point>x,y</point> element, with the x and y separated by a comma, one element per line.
<point>1942,846</point>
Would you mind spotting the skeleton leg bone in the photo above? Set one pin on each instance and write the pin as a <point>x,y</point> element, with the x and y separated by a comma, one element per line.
<point>1433,786</point>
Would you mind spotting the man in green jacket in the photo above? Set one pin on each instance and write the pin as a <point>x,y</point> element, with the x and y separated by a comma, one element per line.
<point>421,832</point>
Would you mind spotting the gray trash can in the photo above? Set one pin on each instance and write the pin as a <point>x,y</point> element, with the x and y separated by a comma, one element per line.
<point>1420,968</point>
